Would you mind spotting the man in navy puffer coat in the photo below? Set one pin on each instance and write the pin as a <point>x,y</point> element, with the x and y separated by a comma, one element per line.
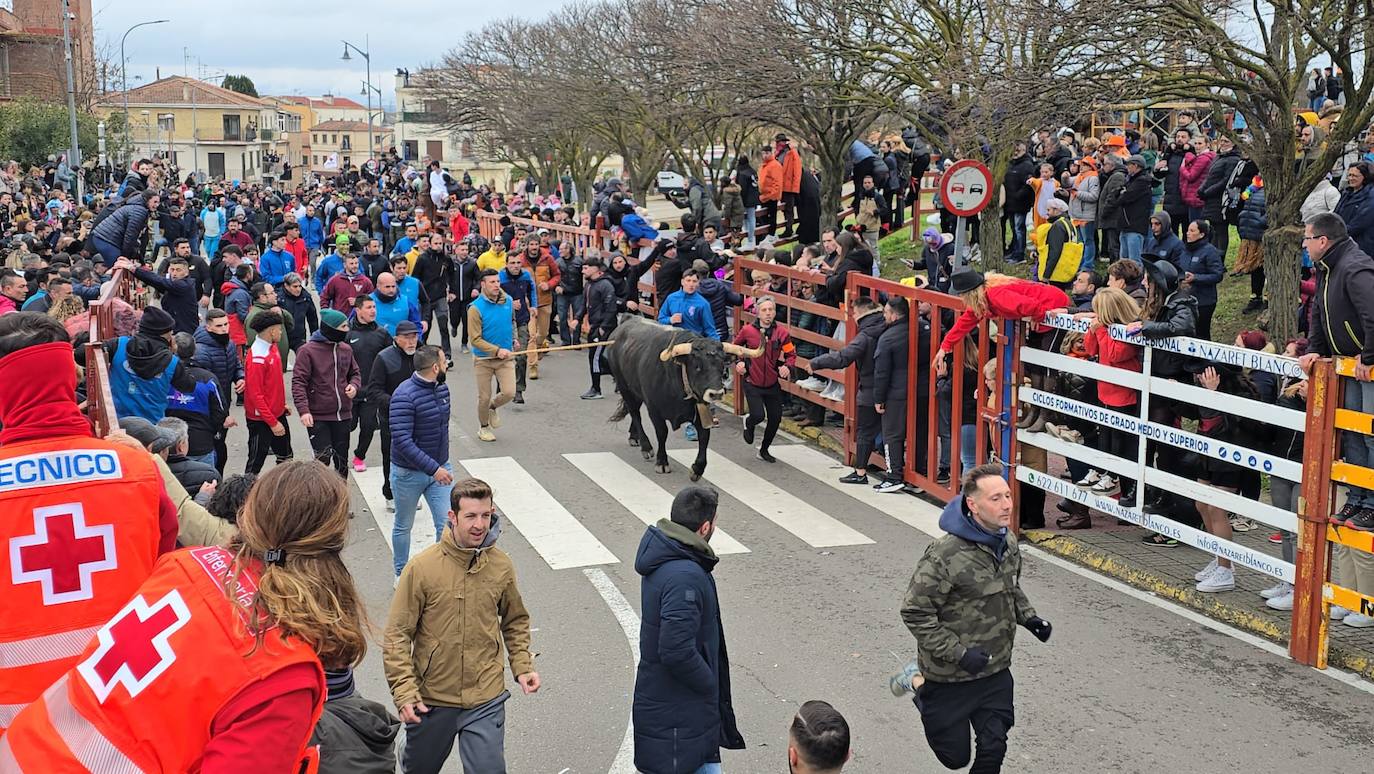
<point>682,712</point>
<point>418,416</point>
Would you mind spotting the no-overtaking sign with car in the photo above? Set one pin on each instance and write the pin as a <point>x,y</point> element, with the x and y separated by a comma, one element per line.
<point>966,188</point>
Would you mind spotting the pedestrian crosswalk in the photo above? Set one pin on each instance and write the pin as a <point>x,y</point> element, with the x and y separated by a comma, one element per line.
<point>557,516</point>
<point>648,501</point>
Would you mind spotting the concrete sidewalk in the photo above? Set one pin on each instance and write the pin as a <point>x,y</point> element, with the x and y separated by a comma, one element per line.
<point>1116,551</point>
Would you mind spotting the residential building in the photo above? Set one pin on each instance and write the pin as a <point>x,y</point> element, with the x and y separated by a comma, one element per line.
<point>422,132</point>
<point>211,131</point>
<point>338,145</point>
<point>332,108</point>
<point>293,131</point>
<point>32,60</point>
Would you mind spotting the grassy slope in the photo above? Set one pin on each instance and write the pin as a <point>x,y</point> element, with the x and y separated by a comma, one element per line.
<point>1232,295</point>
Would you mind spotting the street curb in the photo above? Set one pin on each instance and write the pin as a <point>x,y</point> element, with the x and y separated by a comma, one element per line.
<point>1081,553</point>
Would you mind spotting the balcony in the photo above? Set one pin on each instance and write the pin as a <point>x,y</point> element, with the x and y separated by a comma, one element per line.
<point>267,135</point>
<point>219,135</point>
<point>420,117</point>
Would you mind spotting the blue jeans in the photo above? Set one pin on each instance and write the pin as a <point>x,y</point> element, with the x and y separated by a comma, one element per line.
<point>1131,245</point>
<point>208,458</point>
<point>408,486</point>
<point>968,447</point>
<point>1087,234</point>
<point>751,224</point>
<point>570,325</point>
<point>1018,237</point>
<point>709,768</point>
<point>1358,448</point>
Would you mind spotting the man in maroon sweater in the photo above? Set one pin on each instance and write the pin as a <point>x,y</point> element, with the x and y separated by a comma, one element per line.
<point>345,286</point>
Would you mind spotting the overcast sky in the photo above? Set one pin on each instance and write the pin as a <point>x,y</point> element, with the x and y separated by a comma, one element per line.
<point>294,48</point>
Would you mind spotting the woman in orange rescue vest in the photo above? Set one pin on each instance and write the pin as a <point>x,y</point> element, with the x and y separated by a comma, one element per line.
<point>215,663</point>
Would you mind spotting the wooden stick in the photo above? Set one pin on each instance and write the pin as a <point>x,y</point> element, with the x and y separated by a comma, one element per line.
<point>519,352</point>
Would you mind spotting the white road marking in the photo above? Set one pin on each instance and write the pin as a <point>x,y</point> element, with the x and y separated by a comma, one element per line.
<point>629,623</point>
<point>422,530</point>
<point>793,514</point>
<point>1339,675</point>
<point>543,521</point>
<point>828,470</point>
<point>648,501</point>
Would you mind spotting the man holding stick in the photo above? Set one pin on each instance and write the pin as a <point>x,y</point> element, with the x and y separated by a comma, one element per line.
<point>491,334</point>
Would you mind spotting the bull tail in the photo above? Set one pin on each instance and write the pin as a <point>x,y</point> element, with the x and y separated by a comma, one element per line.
<point>621,411</point>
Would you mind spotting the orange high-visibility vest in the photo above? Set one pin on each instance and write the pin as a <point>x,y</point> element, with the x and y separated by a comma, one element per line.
<point>79,531</point>
<point>146,690</point>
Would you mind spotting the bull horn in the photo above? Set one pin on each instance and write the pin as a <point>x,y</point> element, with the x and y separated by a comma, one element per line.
<point>677,350</point>
<point>738,351</point>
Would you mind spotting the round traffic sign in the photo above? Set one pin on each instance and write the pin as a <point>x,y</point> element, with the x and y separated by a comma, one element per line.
<point>966,188</point>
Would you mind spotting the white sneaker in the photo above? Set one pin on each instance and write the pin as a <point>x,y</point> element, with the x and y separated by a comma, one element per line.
<point>1358,621</point>
<point>838,392</point>
<point>1221,579</point>
<point>1105,486</point>
<point>813,383</point>
<point>1281,602</point>
<point>829,391</point>
<point>1283,588</point>
<point>1088,481</point>
<point>1241,524</point>
<point>1338,613</point>
<point>1202,575</point>
<point>390,506</point>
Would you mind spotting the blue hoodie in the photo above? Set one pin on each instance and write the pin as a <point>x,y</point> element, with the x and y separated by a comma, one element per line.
<point>957,521</point>
<point>312,231</point>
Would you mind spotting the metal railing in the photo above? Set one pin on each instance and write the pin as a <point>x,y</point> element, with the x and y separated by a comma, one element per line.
<point>99,401</point>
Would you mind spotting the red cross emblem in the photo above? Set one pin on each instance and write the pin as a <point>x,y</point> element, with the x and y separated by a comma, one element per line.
<point>63,553</point>
<point>134,647</point>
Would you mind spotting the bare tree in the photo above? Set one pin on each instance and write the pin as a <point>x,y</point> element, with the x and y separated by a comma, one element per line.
<point>497,84</point>
<point>975,76</point>
<point>1254,59</point>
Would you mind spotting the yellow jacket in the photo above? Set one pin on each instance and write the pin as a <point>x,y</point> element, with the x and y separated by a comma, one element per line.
<point>491,260</point>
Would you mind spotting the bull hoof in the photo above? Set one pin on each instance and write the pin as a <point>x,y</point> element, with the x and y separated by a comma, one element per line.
<point>663,469</point>
<point>647,451</point>
<point>696,474</point>
<point>634,441</point>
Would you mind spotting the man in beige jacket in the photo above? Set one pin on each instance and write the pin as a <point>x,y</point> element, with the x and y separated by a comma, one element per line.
<point>456,606</point>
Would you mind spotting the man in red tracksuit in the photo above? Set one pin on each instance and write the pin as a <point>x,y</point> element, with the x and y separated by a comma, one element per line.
<point>264,395</point>
<point>296,247</point>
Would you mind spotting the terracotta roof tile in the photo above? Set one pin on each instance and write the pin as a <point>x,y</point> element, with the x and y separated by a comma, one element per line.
<point>173,90</point>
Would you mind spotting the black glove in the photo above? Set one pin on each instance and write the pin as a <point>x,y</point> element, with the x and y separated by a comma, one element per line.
<point>974,660</point>
<point>1039,627</point>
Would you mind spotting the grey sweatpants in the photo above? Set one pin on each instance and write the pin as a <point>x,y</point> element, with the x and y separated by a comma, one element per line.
<point>480,733</point>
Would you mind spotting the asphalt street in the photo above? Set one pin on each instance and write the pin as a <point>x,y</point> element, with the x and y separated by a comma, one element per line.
<point>811,578</point>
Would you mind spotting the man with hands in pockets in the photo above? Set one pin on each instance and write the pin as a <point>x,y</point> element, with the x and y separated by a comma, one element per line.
<point>963,605</point>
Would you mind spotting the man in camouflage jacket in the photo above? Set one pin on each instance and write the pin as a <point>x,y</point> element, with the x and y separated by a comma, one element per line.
<point>963,605</point>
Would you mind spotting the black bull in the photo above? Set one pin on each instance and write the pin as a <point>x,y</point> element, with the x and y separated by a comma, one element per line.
<point>675,374</point>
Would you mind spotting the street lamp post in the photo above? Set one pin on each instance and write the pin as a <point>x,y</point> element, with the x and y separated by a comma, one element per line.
<point>73,155</point>
<point>124,67</point>
<point>367,57</point>
<point>367,91</point>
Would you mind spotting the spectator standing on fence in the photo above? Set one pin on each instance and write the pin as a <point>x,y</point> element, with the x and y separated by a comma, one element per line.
<point>1343,325</point>
<point>964,635</point>
<point>1085,189</point>
<point>762,374</point>
<point>1134,203</point>
<point>1204,268</point>
<point>442,649</point>
<point>1019,199</point>
<point>682,711</point>
<point>1111,183</point>
<point>859,352</point>
<point>790,159</point>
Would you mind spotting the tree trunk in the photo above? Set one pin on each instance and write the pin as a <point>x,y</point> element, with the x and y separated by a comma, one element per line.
<point>832,186</point>
<point>990,236</point>
<point>1282,246</point>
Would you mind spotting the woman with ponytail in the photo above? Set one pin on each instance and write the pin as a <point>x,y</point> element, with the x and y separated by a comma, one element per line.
<point>217,663</point>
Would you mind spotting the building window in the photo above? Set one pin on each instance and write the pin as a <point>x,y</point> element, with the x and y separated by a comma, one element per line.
<point>315,160</point>
<point>281,122</point>
<point>333,139</point>
<point>347,142</point>
<point>434,149</point>
<point>232,129</point>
